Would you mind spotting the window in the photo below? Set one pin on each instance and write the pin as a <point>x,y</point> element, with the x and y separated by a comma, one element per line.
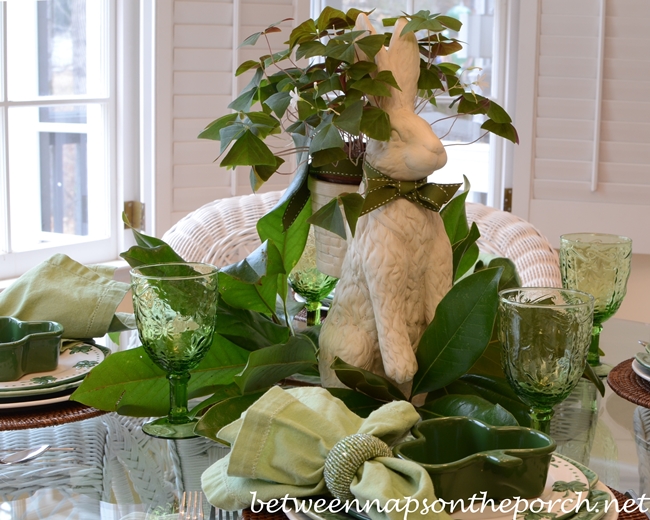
<point>57,115</point>
<point>476,160</point>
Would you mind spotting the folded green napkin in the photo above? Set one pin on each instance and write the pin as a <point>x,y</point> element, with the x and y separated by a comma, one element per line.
<point>280,443</point>
<point>82,299</point>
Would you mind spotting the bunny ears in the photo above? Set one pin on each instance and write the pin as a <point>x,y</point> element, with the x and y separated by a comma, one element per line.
<point>402,58</point>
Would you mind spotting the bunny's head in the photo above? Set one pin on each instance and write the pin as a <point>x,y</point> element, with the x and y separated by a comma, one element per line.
<point>413,151</point>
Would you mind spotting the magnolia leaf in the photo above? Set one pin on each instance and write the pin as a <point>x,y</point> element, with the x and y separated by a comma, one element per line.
<point>366,382</point>
<point>146,255</point>
<point>328,136</point>
<point>358,403</point>
<point>247,329</point>
<point>454,216</point>
<point>468,406</point>
<point>361,68</point>
<point>350,119</point>
<point>462,247</point>
<point>371,87</point>
<point>258,297</point>
<point>249,150</point>
<point>459,333</point>
<point>375,123</point>
<point>221,393</point>
<point>129,383</point>
<point>223,413</point>
<point>467,261</point>
<point>330,217</point>
<point>593,377</point>
<point>269,365</point>
<point>505,130</point>
<point>265,260</point>
<point>213,130</point>
<point>310,49</point>
<point>489,364</point>
<point>509,278</point>
<point>370,45</point>
<point>247,65</point>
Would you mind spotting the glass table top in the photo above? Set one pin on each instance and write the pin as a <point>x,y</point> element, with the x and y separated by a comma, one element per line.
<point>112,469</point>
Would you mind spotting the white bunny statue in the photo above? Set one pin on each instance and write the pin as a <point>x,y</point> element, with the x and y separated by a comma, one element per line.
<point>398,266</point>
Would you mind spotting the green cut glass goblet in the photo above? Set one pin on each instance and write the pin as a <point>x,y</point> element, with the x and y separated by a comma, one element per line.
<point>175,307</point>
<point>598,264</point>
<point>309,283</point>
<point>545,335</point>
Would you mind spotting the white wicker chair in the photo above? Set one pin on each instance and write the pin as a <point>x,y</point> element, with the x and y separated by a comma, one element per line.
<point>223,232</point>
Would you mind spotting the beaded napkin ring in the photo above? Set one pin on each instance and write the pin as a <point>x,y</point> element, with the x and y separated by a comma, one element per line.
<point>346,457</point>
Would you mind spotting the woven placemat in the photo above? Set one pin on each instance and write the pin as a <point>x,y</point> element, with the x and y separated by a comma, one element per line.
<point>628,385</point>
<point>46,415</point>
<point>635,514</point>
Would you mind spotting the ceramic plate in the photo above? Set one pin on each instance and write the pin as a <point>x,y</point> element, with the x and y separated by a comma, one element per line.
<point>74,363</point>
<point>640,371</point>
<point>591,476</point>
<point>643,358</point>
<point>26,402</point>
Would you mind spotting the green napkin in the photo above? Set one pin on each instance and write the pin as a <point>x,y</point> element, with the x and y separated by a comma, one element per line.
<point>280,443</point>
<point>82,299</point>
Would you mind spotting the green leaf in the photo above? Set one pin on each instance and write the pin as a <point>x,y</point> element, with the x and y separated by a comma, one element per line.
<point>489,364</point>
<point>387,77</point>
<point>251,40</point>
<point>454,216</point>
<point>310,49</point>
<point>328,156</point>
<point>129,383</point>
<point>591,375</point>
<point>329,85</point>
<point>356,402</point>
<point>509,278</point>
<point>244,101</point>
<point>352,204</point>
<point>139,255</point>
<point>213,130</point>
<point>366,382</point>
<point>247,65</point>
<point>249,150</point>
<point>468,406</point>
<point>462,247</point>
<point>258,297</point>
<point>429,78</point>
<point>505,130</point>
<point>350,119</point>
<point>340,51</point>
<point>467,261</point>
<point>223,413</point>
<point>361,68</point>
<point>330,217</point>
<point>331,18</point>
<point>221,393</point>
<point>304,32</point>
<point>451,23</point>
<point>371,87</point>
<point>230,133</point>
<point>459,333</point>
<point>262,173</point>
<point>375,123</point>
<point>498,114</point>
<point>269,365</point>
<point>370,45</point>
<point>328,136</point>
<point>265,260</point>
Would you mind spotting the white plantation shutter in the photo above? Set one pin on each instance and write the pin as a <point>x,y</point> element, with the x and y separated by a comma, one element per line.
<point>196,56</point>
<point>583,113</point>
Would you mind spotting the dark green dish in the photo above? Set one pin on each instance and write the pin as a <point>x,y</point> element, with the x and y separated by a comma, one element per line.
<point>467,457</point>
<point>27,347</point>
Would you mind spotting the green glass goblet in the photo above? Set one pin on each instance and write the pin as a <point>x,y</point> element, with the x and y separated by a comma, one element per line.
<point>544,334</point>
<point>598,264</point>
<point>309,283</point>
<point>175,307</point>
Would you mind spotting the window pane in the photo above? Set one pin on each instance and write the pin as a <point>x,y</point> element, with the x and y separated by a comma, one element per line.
<point>57,175</point>
<point>55,48</point>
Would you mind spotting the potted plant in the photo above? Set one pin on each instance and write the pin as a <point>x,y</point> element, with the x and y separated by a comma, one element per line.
<point>322,91</point>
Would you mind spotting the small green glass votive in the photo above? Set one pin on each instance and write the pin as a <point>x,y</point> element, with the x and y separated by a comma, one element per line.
<point>27,347</point>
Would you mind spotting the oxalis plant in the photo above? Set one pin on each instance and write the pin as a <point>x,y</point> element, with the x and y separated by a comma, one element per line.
<point>321,91</point>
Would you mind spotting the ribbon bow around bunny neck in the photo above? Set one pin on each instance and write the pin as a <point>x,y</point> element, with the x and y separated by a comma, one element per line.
<point>381,189</point>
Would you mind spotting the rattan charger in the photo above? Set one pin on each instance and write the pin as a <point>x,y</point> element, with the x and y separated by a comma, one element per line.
<point>46,415</point>
<point>628,385</point>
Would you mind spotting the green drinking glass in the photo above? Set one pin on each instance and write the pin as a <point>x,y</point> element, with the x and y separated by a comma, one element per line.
<point>545,335</point>
<point>598,264</point>
<point>309,283</point>
<point>175,307</point>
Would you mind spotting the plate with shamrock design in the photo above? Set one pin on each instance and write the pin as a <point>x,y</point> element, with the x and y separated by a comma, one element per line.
<point>75,361</point>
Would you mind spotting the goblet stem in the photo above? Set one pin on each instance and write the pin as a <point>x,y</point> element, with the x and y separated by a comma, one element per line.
<point>178,398</point>
<point>313,313</point>
<point>593,357</point>
<point>541,419</point>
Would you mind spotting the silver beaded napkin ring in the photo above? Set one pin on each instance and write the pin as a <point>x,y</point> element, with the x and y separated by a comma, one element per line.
<point>346,457</point>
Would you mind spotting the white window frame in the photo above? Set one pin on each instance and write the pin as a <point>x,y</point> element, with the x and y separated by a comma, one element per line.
<point>122,149</point>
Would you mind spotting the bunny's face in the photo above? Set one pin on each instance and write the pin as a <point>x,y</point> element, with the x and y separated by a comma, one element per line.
<point>413,152</point>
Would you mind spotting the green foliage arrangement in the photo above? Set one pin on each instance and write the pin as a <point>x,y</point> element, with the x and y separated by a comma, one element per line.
<point>321,90</point>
